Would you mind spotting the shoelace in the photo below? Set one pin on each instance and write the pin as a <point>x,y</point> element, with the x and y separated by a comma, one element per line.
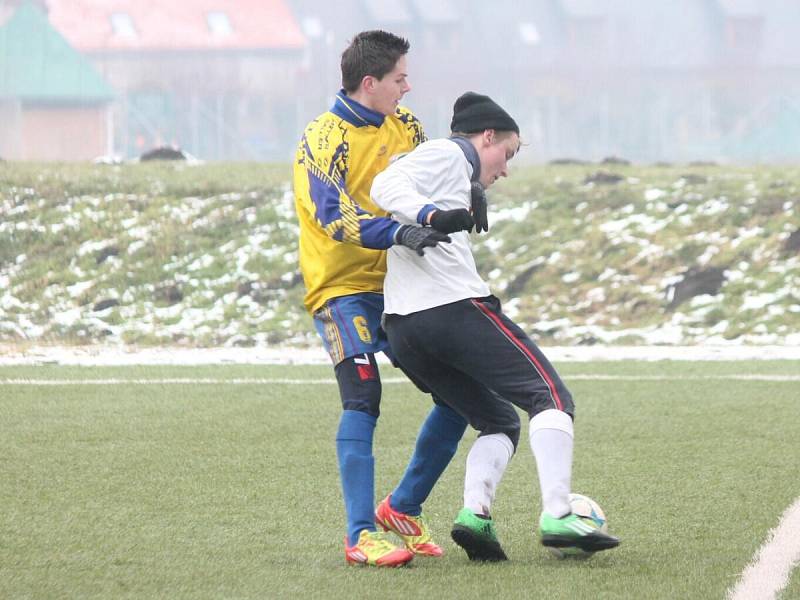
<point>378,541</point>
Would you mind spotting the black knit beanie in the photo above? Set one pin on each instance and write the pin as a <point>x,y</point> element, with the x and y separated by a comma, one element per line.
<point>475,112</point>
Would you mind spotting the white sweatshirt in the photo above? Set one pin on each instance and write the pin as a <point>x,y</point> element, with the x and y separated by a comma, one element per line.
<point>436,172</point>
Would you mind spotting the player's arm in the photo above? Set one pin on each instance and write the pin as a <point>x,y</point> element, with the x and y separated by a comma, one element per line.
<point>398,190</point>
<point>335,211</point>
<point>343,220</point>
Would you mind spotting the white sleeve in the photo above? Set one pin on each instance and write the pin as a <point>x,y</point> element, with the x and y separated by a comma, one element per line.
<point>399,188</point>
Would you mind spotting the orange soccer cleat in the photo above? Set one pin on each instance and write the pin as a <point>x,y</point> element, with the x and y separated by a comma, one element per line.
<point>374,549</point>
<point>412,530</point>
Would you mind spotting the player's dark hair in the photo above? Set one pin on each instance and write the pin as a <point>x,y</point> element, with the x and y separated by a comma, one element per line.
<point>372,53</point>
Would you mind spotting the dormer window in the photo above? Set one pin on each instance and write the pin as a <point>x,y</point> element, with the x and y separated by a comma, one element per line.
<point>122,25</point>
<point>219,23</point>
<point>529,33</point>
<point>312,27</point>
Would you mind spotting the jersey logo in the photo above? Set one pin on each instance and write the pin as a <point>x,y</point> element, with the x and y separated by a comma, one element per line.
<point>382,150</point>
<point>360,324</point>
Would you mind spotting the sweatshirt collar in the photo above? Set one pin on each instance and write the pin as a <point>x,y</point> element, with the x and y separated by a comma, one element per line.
<point>471,155</point>
<point>355,113</point>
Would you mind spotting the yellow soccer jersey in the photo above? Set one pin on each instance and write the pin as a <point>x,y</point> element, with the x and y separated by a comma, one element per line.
<point>343,235</point>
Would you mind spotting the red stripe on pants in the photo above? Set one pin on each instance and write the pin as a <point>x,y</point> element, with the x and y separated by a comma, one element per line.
<point>516,341</point>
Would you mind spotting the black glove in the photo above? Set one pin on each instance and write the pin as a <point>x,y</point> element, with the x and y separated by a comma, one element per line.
<point>450,221</point>
<point>419,238</point>
<point>478,194</point>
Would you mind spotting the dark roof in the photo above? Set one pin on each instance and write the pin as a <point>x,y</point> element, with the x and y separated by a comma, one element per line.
<point>37,63</point>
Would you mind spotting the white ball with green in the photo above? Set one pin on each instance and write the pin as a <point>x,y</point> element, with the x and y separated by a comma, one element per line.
<point>584,507</point>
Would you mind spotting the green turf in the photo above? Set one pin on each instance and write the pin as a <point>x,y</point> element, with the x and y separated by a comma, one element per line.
<point>169,490</point>
<point>793,589</point>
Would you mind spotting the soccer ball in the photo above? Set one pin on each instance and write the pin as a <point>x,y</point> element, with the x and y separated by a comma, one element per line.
<point>585,507</point>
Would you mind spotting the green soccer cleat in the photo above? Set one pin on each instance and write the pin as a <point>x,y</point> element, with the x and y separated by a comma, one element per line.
<point>573,531</point>
<point>477,536</point>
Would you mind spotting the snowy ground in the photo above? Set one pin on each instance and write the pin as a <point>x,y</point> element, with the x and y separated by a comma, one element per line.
<point>116,355</point>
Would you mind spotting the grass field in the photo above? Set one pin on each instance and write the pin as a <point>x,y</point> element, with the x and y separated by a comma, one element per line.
<point>228,488</point>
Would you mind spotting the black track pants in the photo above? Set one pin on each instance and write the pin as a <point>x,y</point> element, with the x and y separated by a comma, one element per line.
<point>479,362</point>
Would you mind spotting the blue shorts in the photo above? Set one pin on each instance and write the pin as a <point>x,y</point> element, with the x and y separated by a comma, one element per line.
<point>351,325</point>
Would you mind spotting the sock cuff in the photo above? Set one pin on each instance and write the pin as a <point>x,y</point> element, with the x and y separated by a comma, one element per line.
<point>356,425</point>
<point>498,438</point>
<point>552,419</point>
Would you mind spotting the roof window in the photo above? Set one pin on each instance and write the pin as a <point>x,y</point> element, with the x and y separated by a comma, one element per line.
<point>219,23</point>
<point>122,25</point>
<point>529,33</point>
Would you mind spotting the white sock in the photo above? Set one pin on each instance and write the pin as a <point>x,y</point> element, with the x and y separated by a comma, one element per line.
<point>486,462</point>
<point>551,435</point>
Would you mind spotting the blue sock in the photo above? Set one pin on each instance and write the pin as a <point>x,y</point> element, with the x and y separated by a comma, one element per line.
<point>437,442</point>
<point>357,471</point>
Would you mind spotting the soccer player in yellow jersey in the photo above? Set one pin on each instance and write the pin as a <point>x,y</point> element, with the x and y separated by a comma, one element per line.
<point>343,242</point>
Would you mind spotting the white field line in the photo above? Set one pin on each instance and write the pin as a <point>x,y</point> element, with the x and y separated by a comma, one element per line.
<point>332,381</point>
<point>96,355</point>
<point>768,573</point>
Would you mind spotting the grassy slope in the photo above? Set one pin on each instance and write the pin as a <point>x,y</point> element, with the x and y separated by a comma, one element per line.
<point>207,255</point>
<point>211,491</point>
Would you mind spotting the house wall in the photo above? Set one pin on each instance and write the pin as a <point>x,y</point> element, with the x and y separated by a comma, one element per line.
<point>58,133</point>
<point>10,130</point>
